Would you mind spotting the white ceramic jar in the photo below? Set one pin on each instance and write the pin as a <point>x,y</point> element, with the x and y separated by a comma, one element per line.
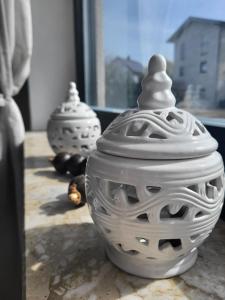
<point>73,127</point>
<point>155,184</point>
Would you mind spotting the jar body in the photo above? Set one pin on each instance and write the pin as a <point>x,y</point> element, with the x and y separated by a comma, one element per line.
<point>74,135</point>
<point>154,214</point>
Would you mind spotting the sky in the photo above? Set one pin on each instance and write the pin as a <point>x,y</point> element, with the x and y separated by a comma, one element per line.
<point>140,28</point>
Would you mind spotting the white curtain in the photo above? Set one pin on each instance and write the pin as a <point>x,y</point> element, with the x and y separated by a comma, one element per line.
<point>15,55</point>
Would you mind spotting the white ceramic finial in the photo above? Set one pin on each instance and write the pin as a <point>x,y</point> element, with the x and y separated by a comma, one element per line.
<point>156,86</point>
<point>73,94</point>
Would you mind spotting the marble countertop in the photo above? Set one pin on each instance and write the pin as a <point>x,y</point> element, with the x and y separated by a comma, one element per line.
<point>65,257</point>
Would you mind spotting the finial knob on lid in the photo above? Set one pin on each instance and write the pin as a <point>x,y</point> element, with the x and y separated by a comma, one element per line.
<point>156,86</point>
<point>73,95</point>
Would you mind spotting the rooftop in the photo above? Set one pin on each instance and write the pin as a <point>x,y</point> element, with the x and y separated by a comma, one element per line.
<point>133,65</point>
<point>191,20</point>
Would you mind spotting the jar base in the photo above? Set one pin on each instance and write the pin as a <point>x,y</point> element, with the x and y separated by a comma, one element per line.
<point>150,269</point>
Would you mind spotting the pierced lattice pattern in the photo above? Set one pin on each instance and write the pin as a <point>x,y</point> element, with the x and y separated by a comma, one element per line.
<point>142,220</point>
<point>166,124</point>
<point>167,133</point>
<point>73,138</point>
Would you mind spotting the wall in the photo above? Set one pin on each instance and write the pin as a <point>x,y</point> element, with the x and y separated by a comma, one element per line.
<point>53,61</point>
<point>191,38</point>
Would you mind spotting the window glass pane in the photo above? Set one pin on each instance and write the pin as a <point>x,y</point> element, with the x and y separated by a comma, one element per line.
<point>203,67</point>
<point>194,48</point>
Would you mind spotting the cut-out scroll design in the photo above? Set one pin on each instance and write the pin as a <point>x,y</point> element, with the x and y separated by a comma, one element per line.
<point>163,224</point>
<point>73,137</point>
<point>165,124</point>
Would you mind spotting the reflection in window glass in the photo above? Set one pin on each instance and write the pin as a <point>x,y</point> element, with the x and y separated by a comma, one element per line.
<point>123,82</point>
<point>194,48</point>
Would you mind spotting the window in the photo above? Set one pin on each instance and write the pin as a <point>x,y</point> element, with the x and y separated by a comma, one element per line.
<point>129,32</point>
<point>181,71</point>
<point>182,51</point>
<point>204,45</point>
<point>120,37</point>
<point>203,67</point>
<point>202,93</point>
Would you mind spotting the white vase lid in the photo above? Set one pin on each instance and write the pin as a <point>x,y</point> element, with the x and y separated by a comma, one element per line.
<point>156,129</point>
<point>72,108</point>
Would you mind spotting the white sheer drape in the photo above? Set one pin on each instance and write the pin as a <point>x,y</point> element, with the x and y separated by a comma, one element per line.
<point>15,55</point>
<point>15,44</point>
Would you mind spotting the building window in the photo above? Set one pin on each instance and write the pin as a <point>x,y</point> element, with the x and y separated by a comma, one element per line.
<point>135,78</point>
<point>204,45</point>
<point>181,71</point>
<point>182,51</point>
<point>202,93</point>
<point>203,67</point>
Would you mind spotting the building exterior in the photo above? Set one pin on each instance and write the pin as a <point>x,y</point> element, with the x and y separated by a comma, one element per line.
<point>123,82</point>
<point>130,65</point>
<point>200,58</point>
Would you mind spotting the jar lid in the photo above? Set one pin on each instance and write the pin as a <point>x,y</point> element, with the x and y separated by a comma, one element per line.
<point>156,129</point>
<point>72,108</point>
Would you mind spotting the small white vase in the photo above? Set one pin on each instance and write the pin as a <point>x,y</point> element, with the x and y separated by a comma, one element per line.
<point>155,184</point>
<point>73,127</point>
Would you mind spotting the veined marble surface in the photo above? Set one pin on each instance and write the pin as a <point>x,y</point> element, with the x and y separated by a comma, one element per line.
<point>65,257</point>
